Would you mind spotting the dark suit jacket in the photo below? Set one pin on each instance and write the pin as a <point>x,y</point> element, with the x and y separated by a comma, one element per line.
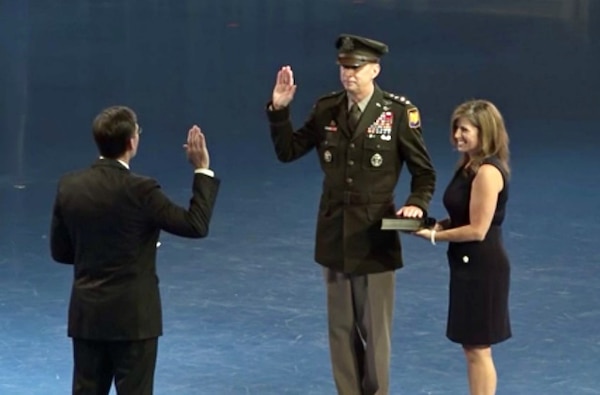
<point>361,169</point>
<point>106,222</point>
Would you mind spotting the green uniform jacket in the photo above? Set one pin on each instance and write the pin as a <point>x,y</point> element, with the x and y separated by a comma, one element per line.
<point>361,170</point>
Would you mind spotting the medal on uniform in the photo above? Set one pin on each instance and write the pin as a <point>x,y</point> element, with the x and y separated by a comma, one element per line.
<point>388,120</point>
<point>382,126</point>
<point>371,132</point>
<point>327,157</point>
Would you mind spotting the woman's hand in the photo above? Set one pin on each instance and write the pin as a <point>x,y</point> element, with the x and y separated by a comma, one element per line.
<point>424,233</point>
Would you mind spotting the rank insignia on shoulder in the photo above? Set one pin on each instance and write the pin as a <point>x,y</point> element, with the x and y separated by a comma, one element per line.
<point>396,98</point>
<point>414,118</point>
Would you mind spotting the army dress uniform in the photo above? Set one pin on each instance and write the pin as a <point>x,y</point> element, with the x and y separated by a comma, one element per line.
<point>361,170</point>
<point>361,165</point>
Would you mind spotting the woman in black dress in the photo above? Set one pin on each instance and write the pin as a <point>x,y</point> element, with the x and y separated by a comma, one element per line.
<point>475,199</point>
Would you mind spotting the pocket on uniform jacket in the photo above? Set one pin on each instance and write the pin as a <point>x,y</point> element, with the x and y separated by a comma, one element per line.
<point>378,154</point>
<point>375,212</point>
<point>329,152</point>
<point>324,206</point>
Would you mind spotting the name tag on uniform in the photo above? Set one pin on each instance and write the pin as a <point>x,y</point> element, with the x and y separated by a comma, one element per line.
<point>332,127</point>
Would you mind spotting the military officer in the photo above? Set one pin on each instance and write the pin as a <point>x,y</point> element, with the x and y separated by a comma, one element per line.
<point>363,136</point>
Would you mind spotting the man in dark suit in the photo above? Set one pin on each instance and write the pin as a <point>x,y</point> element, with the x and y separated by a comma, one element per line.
<point>106,222</point>
<point>363,137</point>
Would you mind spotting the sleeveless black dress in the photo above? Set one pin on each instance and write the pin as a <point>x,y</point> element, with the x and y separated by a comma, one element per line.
<point>479,270</point>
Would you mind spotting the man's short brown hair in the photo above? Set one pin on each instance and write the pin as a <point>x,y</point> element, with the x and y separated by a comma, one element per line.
<point>112,128</point>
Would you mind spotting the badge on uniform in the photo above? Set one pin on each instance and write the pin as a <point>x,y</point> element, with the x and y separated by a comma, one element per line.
<point>376,160</point>
<point>332,127</point>
<point>382,126</point>
<point>414,119</point>
<point>327,157</point>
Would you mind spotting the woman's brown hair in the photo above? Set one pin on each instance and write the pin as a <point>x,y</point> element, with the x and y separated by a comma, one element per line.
<point>493,138</point>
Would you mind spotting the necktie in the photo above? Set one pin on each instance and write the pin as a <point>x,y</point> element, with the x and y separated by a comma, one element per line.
<point>353,116</point>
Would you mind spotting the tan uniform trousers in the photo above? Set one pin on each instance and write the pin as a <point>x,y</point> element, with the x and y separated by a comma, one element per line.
<point>360,310</point>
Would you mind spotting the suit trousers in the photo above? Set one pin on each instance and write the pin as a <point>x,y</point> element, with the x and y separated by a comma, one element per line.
<point>360,311</point>
<point>130,363</point>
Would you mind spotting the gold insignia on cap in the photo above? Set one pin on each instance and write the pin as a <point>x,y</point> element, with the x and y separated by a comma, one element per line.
<point>347,45</point>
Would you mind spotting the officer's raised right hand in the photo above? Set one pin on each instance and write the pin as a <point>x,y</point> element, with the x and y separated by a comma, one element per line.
<point>284,90</point>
